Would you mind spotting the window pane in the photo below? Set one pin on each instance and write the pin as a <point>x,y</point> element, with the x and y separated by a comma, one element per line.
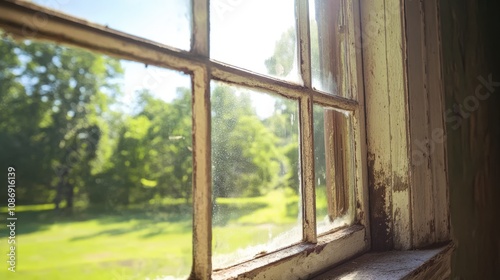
<point>255,158</point>
<point>333,168</point>
<point>328,47</point>
<point>257,35</point>
<point>164,21</point>
<point>102,151</point>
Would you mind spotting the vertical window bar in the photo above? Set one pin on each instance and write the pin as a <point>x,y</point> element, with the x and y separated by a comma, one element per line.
<point>202,169</point>
<point>307,169</point>
<point>202,177</point>
<point>200,37</point>
<point>302,11</point>
<point>306,126</point>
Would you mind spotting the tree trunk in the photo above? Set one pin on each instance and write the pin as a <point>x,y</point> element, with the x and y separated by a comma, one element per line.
<point>60,188</point>
<point>69,196</point>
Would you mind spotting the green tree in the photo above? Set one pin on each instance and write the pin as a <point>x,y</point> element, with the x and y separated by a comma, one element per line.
<point>171,140</point>
<point>54,99</point>
<point>280,64</point>
<point>284,125</point>
<point>153,155</point>
<point>245,154</point>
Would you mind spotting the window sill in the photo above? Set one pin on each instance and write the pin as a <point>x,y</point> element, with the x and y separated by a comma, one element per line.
<point>302,260</point>
<point>418,264</point>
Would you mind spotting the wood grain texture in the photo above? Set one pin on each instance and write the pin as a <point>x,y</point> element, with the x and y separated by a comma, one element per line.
<point>378,116</point>
<point>398,107</point>
<point>307,169</point>
<point>359,149</point>
<point>403,88</point>
<point>437,129</point>
<point>202,176</point>
<point>308,190</point>
<point>470,45</point>
<point>200,38</point>
<point>302,261</point>
<point>421,264</point>
<point>422,200</point>
<point>302,15</point>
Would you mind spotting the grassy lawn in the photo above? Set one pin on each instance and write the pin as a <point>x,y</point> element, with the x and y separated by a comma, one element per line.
<point>94,245</point>
<point>135,243</point>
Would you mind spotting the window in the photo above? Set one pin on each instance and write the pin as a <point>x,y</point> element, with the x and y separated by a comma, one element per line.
<point>277,122</point>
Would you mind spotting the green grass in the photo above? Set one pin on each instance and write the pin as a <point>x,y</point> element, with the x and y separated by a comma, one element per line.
<point>91,245</point>
<point>134,243</point>
<point>24,208</point>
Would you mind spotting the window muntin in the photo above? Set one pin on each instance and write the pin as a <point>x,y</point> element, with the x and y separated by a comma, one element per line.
<point>201,71</point>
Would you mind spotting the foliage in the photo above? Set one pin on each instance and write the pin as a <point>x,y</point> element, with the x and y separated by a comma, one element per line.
<point>127,176</point>
<point>249,154</point>
<point>152,158</point>
<point>53,100</point>
<point>65,132</point>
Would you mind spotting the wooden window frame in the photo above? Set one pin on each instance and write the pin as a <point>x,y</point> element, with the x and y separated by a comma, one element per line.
<point>303,260</point>
<point>405,124</point>
<point>399,75</point>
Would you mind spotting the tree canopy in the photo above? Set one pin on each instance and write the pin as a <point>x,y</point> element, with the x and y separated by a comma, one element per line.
<point>64,131</point>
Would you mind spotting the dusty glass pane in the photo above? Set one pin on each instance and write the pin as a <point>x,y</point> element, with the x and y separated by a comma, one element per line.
<point>102,153</point>
<point>333,168</point>
<point>328,47</point>
<point>255,166</point>
<point>257,35</point>
<point>164,21</point>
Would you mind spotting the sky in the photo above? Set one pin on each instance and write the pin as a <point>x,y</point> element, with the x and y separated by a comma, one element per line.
<point>243,33</point>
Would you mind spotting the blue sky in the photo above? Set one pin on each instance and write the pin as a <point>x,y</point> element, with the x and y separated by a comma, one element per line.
<point>243,33</point>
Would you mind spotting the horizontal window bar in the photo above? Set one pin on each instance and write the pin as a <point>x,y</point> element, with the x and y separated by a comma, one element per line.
<point>246,78</point>
<point>28,20</point>
<point>32,21</point>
